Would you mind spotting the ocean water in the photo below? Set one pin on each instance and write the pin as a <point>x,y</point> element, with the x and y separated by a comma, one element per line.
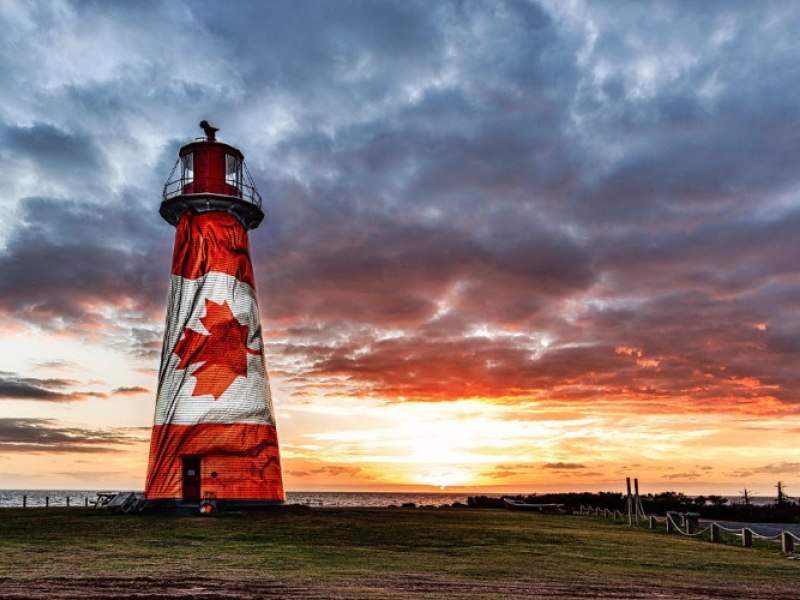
<point>14,498</point>
<point>10,498</point>
<point>375,499</point>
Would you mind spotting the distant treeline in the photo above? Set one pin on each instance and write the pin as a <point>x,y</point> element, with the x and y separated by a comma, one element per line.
<point>709,507</point>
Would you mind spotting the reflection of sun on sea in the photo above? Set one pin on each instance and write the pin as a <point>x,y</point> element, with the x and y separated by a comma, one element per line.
<point>443,478</point>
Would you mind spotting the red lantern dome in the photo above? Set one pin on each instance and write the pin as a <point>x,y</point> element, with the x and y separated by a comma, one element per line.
<point>212,176</point>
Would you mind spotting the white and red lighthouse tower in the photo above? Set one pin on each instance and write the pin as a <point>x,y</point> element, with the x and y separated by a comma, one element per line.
<point>214,437</point>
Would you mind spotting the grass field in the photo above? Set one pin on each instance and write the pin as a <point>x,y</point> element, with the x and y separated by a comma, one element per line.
<point>296,552</point>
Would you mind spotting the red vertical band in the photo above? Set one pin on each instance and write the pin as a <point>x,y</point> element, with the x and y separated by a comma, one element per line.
<point>212,241</point>
<point>239,461</point>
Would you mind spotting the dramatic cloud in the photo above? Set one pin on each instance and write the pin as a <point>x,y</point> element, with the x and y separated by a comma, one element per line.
<point>44,435</point>
<point>67,264</point>
<point>13,387</point>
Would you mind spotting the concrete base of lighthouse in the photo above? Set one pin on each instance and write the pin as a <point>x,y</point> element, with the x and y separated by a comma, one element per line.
<point>178,507</point>
<point>134,503</point>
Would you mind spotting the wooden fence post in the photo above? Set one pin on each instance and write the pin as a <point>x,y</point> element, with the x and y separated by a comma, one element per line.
<point>24,501</point>
<point>787,542</point>
<point>67,501</point>
<point>670,525</point>
<point>715,533</point>
<point>630,501</point>
<point>47,501</point>
<point>747,538</point>
<point>86,501</point>
<point>652,519</point>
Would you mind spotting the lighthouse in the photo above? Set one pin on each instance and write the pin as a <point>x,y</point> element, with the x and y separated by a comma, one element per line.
<point>214,442</point>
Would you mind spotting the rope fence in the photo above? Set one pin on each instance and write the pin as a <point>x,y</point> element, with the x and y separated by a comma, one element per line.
<point>687,524</point>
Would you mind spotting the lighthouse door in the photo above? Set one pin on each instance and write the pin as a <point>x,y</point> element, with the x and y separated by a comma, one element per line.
<point>191,479</point>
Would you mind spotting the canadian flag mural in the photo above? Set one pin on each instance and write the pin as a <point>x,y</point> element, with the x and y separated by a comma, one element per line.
<point>214,429</point>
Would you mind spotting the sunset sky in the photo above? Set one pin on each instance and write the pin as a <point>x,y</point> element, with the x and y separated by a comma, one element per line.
<point>508,246</point>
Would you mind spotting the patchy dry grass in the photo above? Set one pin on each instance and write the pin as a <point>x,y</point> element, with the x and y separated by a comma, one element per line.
<point>296,552</point>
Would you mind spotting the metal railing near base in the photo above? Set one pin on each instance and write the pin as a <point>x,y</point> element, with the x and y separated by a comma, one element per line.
<point>53,501</point>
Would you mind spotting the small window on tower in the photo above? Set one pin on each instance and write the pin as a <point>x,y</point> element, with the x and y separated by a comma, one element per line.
<point>187,169</point>
<point>233,171</point>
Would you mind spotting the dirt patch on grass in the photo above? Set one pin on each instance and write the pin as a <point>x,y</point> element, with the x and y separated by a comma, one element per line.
<point>62,588</point>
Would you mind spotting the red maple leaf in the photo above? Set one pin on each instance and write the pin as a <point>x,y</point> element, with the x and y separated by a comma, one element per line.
<point>221,355</point>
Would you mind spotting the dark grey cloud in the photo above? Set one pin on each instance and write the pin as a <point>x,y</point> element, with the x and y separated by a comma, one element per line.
<point>396,273</point>
<point>52,148</point>
<point>130,391</point>
<point>45,435</point>
<point>68,262</point>
<point>14,387</point>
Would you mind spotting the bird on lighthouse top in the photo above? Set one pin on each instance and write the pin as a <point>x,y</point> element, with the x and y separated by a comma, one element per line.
<point>211,132</point>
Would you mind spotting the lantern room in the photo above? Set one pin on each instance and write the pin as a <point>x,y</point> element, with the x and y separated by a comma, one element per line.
<point>211,175</point>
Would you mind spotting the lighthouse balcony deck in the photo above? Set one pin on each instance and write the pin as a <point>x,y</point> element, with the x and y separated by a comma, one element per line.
<point>246,210</point>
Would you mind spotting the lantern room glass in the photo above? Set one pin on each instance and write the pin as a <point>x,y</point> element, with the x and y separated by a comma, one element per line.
<point>187,169</point>
<point>233,171</point>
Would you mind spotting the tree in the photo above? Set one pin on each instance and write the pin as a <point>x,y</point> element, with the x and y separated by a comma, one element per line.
<point>717,501</point>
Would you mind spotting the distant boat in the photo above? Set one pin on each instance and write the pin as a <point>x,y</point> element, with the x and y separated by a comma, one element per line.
<point>512,504</point>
